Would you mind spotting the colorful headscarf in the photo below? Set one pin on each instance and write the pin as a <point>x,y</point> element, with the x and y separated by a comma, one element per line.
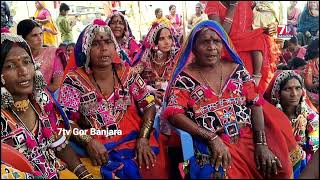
<point>149,43</point>
<point>83,45</point>
<point>184,55</point>
<point>127,29</point>
<point>272,94</point>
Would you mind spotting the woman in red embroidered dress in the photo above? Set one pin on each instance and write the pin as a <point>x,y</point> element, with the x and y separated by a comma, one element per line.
<point>29,118</point>
<point>105,94</point>
<point>217,102</point>
<point>155,63</point>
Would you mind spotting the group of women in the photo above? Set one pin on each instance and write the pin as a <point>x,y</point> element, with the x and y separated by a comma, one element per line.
<point>202,87</point>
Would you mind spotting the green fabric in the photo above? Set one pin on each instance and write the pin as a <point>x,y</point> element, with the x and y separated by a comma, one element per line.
<point>65,28</point>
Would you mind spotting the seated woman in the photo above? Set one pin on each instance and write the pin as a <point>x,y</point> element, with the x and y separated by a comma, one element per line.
<point>103,94</point>
<point>308,24</point>
<point>50,63</point>
<point>155,63</point>
<point>216,101</point>
<point>287,93</point>
<point>29,118</point>
<point>122,32</point>
<point>156,59</point>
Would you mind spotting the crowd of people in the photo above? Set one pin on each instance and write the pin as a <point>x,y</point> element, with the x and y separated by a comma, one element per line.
<point>249,103</point>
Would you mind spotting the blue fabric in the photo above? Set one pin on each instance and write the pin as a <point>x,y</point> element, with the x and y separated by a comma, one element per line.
<point>298,168</point>
<point>207,171</point>
<point>61,111</point>
<point>121,162</point>
<point>308,22</point>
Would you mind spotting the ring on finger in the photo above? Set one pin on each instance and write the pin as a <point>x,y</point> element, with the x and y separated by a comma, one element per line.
<point>275,157</point>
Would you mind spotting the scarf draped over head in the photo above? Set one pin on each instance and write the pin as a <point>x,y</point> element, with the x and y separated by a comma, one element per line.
<point>186,51</point>
<point>84,42</point>
<point>39,82</point>
<point>149,43</point>
<point>273,92</point>
<point>127,29</point>
<point>44,6</point>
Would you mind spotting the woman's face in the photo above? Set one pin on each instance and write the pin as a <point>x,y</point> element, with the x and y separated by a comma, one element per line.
<point>313,5</point>
<point>102,50</point>
<point>18,72</point>
<point>35,38</point>
<point>159,14</point>
<point>38,5</point>
<point>69,50</point>
<point>117,26</point>
<point>173,10</point>
<point>198,9</point>
<point>165,40</point>
<point>291,93</point>
<point>207,48</point>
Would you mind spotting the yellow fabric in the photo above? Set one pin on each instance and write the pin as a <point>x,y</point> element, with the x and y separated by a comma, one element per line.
<point>94,170</point>
<point>266,13</point>
<point>8,172</point>
<point>163,20</point>
<point>66,174</point>
<point>49,38</point>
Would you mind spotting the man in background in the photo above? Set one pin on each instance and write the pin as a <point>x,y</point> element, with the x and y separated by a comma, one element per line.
<point>64,25</point>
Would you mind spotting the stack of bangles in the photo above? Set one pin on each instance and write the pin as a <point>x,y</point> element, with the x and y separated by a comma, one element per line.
<point>260,138</point>
<point>83,174</point>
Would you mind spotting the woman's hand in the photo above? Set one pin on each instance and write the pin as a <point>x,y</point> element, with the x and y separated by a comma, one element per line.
<point>220,154</point>
<point>144,152</point>
<point>97,152</point>
<point>271,29</point>
<point>308,34</point>
<point>266,161</point>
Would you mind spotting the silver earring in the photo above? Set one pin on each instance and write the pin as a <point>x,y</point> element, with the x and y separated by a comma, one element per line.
<point>159,54</point>
<point>278,105</point>
<point>39,81</point>
<point>6,98</point>
<point>2,80</point>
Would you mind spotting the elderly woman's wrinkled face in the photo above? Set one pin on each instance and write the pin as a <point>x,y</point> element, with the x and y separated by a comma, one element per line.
<point>102,50</point>
<point>207,48</point>
<point>18,72</point>
<point>291,93</point>
<point>117,26</point>
<point>165,40</point>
